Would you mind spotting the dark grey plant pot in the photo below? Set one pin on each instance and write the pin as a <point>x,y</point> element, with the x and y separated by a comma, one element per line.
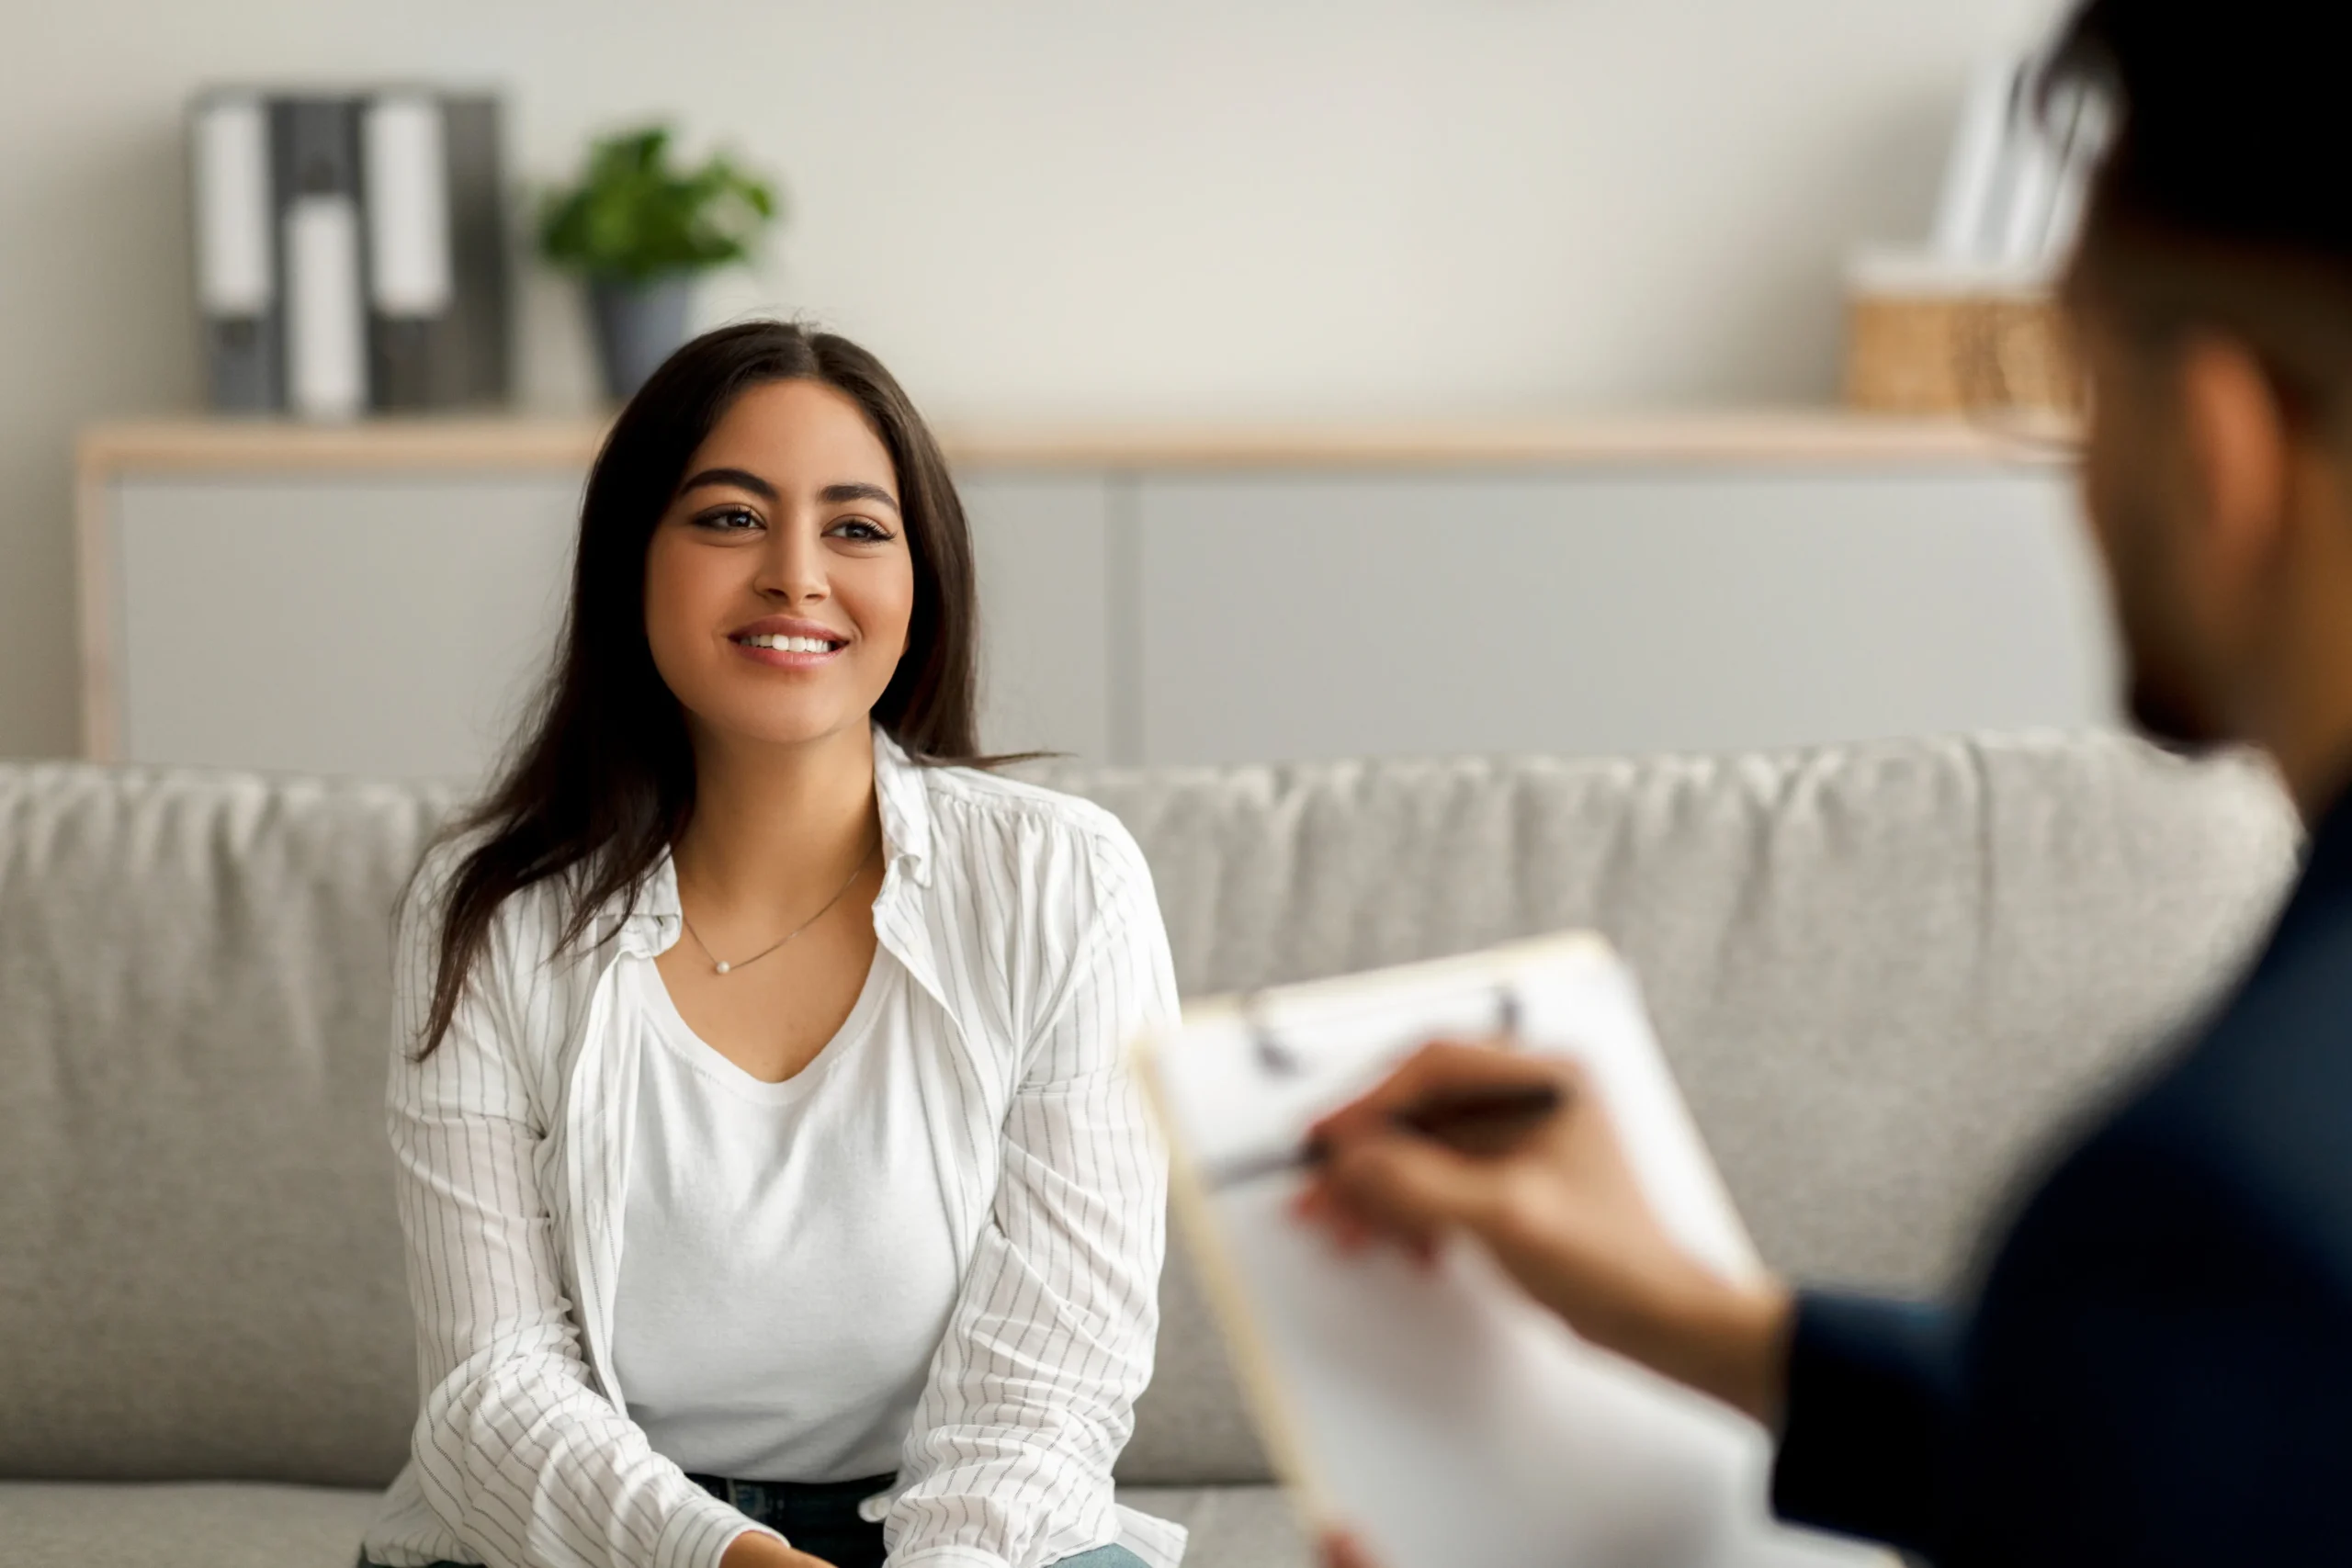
<point>638,325</point>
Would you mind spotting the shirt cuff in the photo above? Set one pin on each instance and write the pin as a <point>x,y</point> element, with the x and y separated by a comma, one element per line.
<point>953,1555</point>
<point>699,1533</point>
<point>1869,1401</point>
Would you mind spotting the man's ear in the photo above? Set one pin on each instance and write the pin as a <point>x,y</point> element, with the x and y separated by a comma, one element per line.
<point>2238,446</point>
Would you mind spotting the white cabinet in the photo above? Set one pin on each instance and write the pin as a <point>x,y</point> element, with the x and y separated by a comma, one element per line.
<point>1337,614</point>
<point>1047,667</point>
<point>385,602</point>
<point>390,625</point>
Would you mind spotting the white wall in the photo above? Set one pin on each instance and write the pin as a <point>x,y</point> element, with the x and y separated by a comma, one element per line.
<point>1309,208</point>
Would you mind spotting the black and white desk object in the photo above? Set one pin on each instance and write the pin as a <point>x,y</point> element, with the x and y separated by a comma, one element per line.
<point>350,249</point>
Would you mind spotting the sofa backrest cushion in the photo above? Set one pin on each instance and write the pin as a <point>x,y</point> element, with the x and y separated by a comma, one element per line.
<point>1881,973</point>
<point>202,1267</point>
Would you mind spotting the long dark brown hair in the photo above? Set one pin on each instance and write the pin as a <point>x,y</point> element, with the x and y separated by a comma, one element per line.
<point>602,780</point>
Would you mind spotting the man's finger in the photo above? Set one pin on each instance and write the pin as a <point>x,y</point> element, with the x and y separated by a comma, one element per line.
<point>1409,1186</point>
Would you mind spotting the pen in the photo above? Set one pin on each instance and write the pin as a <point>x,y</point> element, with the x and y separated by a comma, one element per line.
<point>1481,1122</point>
<point>1477,1122</point>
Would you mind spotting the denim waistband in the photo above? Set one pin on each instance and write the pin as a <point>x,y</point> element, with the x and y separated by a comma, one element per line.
<point>815,1494</point>
<point>770,1502</point>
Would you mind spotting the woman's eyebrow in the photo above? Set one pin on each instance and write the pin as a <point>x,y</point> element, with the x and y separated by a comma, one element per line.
<point>734,479</point>
<point>834,494</point>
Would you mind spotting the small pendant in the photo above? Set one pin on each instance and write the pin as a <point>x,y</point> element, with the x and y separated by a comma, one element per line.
<point>723,968</point>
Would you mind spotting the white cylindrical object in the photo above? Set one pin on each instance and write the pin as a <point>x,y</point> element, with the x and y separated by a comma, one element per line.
<point>234,271</point>
<point>2034,188</point>
<point>2087,129</point>
<point>407,182</point>
<point>326,338</point>
<point>1973,169</point>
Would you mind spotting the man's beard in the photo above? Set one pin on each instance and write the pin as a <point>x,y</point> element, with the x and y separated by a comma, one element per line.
<point>2165,703</point>
<point>2162,716</point>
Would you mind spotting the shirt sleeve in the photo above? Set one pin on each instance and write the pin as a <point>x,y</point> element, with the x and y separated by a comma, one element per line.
<point>1030,1397</point>
<point>519,1456</point>
<point>1873,1395</point>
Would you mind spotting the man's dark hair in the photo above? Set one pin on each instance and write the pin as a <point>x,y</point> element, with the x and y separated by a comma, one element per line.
<point>2234,123</point>
<point>2223,201</point>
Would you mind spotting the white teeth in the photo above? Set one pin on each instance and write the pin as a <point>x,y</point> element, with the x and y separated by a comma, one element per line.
<point>790,644</point>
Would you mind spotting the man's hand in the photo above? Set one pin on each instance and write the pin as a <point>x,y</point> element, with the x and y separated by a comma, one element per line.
<point>1561,1211</point>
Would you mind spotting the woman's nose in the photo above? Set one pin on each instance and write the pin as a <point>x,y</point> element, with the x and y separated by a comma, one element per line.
<point>792,567</point>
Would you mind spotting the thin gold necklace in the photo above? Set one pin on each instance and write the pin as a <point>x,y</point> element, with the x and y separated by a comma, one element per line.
<point>721,967</point>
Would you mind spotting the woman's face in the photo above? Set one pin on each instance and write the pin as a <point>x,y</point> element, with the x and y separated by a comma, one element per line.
<point>778,584</point>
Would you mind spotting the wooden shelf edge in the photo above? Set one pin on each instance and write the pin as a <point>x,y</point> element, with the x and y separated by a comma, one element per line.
<point>1726,439</point>
<point>1734,439</point>
<point>267,445</point>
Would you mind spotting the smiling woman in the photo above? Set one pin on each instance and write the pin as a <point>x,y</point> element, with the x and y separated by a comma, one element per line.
<point>791,518</point>
<point>776,1194</point>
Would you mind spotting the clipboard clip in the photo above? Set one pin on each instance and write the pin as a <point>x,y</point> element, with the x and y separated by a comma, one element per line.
<point>1274,1058</point>
<point>1278,1059</point>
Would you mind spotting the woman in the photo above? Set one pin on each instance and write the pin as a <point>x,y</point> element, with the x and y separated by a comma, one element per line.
<point>772,1185</point>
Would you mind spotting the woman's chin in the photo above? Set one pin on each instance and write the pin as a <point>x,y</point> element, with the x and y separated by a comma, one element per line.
<point>775,727</point>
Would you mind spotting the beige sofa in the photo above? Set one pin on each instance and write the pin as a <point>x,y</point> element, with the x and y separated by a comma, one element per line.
<point>1883,974</point>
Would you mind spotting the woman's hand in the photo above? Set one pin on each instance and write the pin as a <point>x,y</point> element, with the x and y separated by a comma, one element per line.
<point>1561,1211</point>
<point>752,1550</point>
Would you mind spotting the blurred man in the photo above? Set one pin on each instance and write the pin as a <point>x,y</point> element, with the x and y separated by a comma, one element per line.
<point>2158,1367</point>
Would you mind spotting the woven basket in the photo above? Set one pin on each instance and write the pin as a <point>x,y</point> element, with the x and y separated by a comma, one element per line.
<point>1940,353</point>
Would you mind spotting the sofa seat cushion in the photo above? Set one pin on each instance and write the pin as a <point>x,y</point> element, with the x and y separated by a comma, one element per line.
<point>1232,1527</point>
<point>79,1524</point>
<point>85,1524</point>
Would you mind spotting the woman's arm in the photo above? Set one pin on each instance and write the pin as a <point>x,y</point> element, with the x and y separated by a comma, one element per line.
<point>1032,1393</point>
<point>520,1456</point>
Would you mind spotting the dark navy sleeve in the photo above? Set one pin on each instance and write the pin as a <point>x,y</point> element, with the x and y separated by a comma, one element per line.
<point>1867,1417</point>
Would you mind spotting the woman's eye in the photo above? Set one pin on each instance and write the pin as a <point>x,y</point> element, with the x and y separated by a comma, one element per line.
<point>729,519</point>
<point>860,529</point>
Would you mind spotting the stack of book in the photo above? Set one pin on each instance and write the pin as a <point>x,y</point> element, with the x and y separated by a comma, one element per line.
<point>1968,322</point>
<point>351,250</point>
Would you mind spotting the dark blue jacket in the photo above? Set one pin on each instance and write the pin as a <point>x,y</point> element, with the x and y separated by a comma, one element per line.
<point>2158,1365</point>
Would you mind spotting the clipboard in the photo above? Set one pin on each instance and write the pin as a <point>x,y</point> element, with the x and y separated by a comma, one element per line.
<point>1439,1416</point>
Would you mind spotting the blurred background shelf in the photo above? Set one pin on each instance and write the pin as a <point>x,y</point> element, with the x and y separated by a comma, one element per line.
<point>1770,436</point>
<point>379,598</point>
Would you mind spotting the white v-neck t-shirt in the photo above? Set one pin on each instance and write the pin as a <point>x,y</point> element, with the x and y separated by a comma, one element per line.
<point>786,1268</point>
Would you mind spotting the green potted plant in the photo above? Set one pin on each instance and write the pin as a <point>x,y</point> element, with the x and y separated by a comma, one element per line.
<point>639,231</point>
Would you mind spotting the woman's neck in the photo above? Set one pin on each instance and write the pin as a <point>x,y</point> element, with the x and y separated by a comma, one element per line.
<point>771,822</point>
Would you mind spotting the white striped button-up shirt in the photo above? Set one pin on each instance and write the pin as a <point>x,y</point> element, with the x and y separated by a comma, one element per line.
<point>1027,922</point>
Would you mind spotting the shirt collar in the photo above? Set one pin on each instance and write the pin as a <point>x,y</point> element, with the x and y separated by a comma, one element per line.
<point>903,795</point>
<point>903,800</point>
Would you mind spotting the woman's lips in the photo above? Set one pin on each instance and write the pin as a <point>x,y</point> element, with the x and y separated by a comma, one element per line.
<point>783,652</point>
